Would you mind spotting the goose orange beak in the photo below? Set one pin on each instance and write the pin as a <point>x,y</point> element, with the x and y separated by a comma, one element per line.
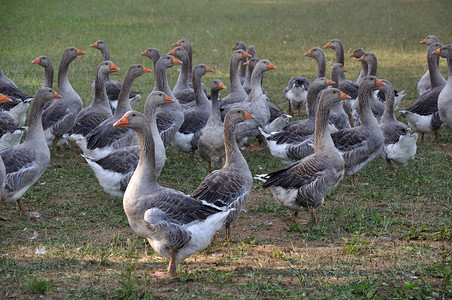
<point>172,52</point>
<point>247,63</point>
<point>221,85</point>
<point>144,53</point>
<point>351,55</point>
<point>114,68</point>
<point>168,99</point>
<point>4,99</point>
<point>330,82</point>
<point>56,95</point>
<point>176,61</point>
<point>94,45</point>
<point>246,54</point>
<point>36,61</point>
<point>380,83</point>
<point>80,52</point>
<point>209,69</point>
<point>146,70</point>
<point>437,51</point>
<point>344,96</point>
<point>308,53</point>
<point>235,47</point>
<point>361,58</point>
<point>424,41</point>
<point>344,69</point>
<point>176,44</point>
<point>248,116</point>
<point>327,45</point>
<point>123,122</point>
<point>271,66</point>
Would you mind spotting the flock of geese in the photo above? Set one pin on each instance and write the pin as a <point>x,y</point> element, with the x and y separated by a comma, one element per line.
<point>349,124</point>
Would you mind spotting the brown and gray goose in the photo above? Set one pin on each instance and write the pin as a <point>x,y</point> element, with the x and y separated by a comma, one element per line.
<point>186,44</point>
<point>115,170</point>
<point>154,55</point>
<point>186,138</point>
<point>240,45</point>
<point>10,89</point>
<point>338,47</point>
<point>112,87</point>
<point>400,142</point>
<point>184,93</point>
<point>25,163</point>
<point>171,116</point>
<point>357,53</point>
<point>176,225</point>
<point>422,115</point>
<point>318,54</point>
<point>59,116</point>
<point>424,82</point>
<point>445,97</point>
<point>104,138</point>
<point>230,186</point>
<point>10,133</point>
<point>49,72</point>
<point>304,184</point>
<point>98,111</point>
<point>250,65</point>
<point>211,140</point>
<point>236,93</point>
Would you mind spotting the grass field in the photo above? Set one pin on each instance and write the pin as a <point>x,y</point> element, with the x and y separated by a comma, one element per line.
<point>388,240</point>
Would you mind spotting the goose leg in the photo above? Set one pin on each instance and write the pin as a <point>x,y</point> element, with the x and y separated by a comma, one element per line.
<point>296,220</point>
<point>355,181</point>
<point>290,109</point>
<point>172,263</point>
<point>313,217</point>
<point>2,200</point>
<point>209,166</point>
<point>26,212</point>
<point>228,231</point>
<point>436,137</point>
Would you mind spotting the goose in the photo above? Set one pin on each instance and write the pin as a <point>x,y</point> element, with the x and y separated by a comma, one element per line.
<point>318,54</point>
<point>237,93</point>
<point>304,184</point>
<point>295,92</point>
<point>211,140</point>
<point>338,47</point>
<point>176,225</point>
<point>230,186</point>
<point>247,82</point>
<point>186,44</point>
<point>282,143</point>
<point>424,82</point>
<point>115,170</point>
<point>340,114</point>
<point>445,97</point>
<point>422,115</point>
<point>10,134</point>
<point>17,108</point>
<point>112,87</point>
<point>357,53</point>
<point>240,45</point>
<point>171,116</point>
<point>400,142</point>
<point>154,55</point>
<point>182,90</point>
<point>2,184</point>
<point>98,111</point>
<point>104,138</point>
<point>361,144</point>
<point>60,115</point>
<point>256,104</point>
<point>26,162</point>
<point>49,72</point>
<point>186,138</point>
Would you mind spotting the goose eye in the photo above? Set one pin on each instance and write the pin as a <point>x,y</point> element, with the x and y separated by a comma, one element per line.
<point>133,115</point>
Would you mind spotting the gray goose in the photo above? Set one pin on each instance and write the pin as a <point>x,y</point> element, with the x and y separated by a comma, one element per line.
<point>339,114</point>
<point>400,142</point>
<point>95,113</point>
<point>422,115</point>
<point>171,116</point>
<point>154,55</point>
<point>230,186</point>
<point>59,116</point>
<point>445,97</point>
<point>237,93</point>
<point>304,184</point>
<point>240,45</point>
<point>424,82</point>
<point>184,93</point>
<point>49,72</point>
<point>186,44</point>
<point>10,89</point>
<point>338,47</point>
<point>10,133</point>
<point>318,54</point>
<point>211,140</point>
<point>186,138</point>
<point>285,144</point>
<point>104,138</point>
<point>247,82</point>
<point>361,144</point>
<point>176,225</point>
<point>115,170</point>
<point>112,87</point>
<point>25,163</point>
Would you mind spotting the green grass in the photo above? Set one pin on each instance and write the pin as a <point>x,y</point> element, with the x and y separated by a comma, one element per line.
<point>390,239</point>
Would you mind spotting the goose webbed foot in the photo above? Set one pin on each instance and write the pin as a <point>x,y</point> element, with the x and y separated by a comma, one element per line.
<point>23,210</point>
<point>355,181</point>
